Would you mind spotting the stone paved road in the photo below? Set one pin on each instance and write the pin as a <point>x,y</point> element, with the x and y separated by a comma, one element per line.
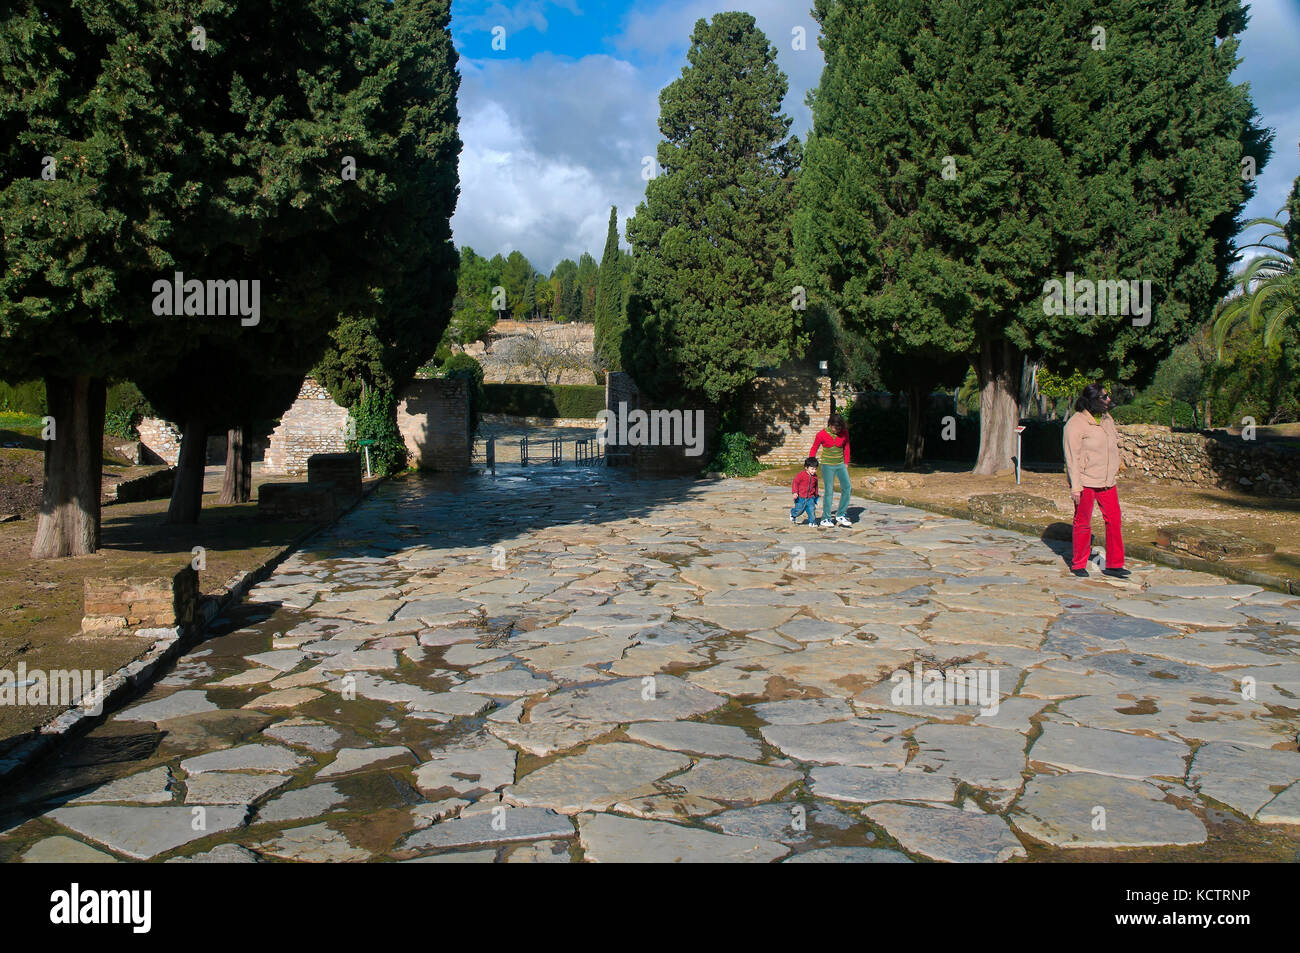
<point>577,666</point>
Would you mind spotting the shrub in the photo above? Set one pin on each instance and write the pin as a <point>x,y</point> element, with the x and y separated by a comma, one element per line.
<point>1154,409</point>
<point>735,456</point>
<point>465,367</point>
<point>25,397</point>
<point>582,401</point>
<point>376,417</point>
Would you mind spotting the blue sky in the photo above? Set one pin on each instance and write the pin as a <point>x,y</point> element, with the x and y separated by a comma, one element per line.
<point>556,125</point>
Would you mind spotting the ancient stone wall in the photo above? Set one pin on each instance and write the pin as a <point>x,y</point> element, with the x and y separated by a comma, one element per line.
<point>1209,460</point>
<point>783,413</point>
<point>433,418</point>
<point>312,424</point>
<point>622,397</point>
<point>161,440</point>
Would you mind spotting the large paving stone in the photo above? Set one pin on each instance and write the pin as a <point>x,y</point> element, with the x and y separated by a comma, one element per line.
<point>871,785</point>
<point>501,824</point>
<point>982,757</point>
<point>65,850</point>
<point>144,787</point>
<point>1283,809</point>
<point>667,698</point>
<point>948,833</point>
<point>255,757</point>
<point>839,742</point>
<point>146,832</point>
<point>848,855</point>
<point>315,843</point>
<point>595,779</point>
<point>1109,752</point>
<point>731,780</point>
<point>359,759</point>
<point>315,800</point>
<point>488,766</point>
<point>698,738</point>
<point>1095,810</point>
<point>606,838</point>
<point>1241,776</point>
<point>801,711</point>
<point>304,733</point>
<point>230,787</point>
<point>175,705</point>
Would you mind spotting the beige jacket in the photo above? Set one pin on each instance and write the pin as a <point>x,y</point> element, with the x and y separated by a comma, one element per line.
<point>1091,451</point>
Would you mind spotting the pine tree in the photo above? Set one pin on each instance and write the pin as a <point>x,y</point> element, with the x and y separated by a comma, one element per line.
<point>963,156</point>
<point>711,290</point>
<point>611,318</point>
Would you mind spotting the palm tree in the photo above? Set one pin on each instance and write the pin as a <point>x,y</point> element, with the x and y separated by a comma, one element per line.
<point>1267,289</point>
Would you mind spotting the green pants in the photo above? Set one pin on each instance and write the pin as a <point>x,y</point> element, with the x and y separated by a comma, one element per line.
<point>840,473</point>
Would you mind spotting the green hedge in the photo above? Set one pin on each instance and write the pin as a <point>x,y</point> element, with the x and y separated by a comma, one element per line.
<point>26,397</point>
<point>583,401</point>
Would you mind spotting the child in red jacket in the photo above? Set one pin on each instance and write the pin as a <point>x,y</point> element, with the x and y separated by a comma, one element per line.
<point>805,492</point>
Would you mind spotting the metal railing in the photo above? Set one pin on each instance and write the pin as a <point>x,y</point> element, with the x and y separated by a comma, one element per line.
<point>588,451</point>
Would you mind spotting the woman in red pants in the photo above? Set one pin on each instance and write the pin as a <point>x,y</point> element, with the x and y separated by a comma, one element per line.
<point>1092,464</point>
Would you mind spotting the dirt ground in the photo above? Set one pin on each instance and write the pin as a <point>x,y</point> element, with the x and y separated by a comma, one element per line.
<point>1146,506</point>
<point>41,602</point>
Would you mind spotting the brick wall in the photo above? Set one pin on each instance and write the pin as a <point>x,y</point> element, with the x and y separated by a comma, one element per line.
<point>161,439</point>
<point>312,424</point>
<point>784,412</point>
<point>622,395</point>
<point>433,418</point>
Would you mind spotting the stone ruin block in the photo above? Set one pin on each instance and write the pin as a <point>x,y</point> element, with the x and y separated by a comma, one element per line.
<point>1210,543</point>
<point>341,471</point>
<point>113,604</point>
<point>1011,504</point>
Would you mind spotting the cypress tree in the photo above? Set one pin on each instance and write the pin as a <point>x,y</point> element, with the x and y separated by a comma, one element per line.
<point>712,289</point>
<point>610,322</point>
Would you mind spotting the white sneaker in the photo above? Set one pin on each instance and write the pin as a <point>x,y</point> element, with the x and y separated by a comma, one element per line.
<point>825,523</point>
<point>792,518</point>
<point>842,521</point>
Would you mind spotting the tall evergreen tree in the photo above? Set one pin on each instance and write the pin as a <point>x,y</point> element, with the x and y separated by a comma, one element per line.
<point>611,316</point>
<point>585,288</point>
<point>711,299</point>
<point>963,156</point>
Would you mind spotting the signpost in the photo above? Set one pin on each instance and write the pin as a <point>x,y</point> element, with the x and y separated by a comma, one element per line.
<point>367,444</point>
<point>1019,431</point>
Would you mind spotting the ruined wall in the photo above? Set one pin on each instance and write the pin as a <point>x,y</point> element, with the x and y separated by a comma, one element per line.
<point>783,413</point>
<point>161,440</point>
<point>621,394</point>
<point>312,424</point>
<point>1209,460</point>
<point>433,418</point>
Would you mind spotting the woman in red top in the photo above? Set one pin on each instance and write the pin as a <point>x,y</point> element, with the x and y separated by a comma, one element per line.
<point>833,441</point>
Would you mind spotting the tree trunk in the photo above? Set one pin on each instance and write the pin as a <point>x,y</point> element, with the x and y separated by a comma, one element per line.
<point>237,484</point>
<point>187,491</point>
<point>998,370</point>
<point>68,522</point>
<point>916,408</point>
<point>1207,413</point>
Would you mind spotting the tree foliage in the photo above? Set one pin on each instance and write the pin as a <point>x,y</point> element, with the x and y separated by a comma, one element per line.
<point>711,300</point>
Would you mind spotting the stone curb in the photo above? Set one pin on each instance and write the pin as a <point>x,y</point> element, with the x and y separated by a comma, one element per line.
<point>169,644</point>
<point>1140,550</point>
